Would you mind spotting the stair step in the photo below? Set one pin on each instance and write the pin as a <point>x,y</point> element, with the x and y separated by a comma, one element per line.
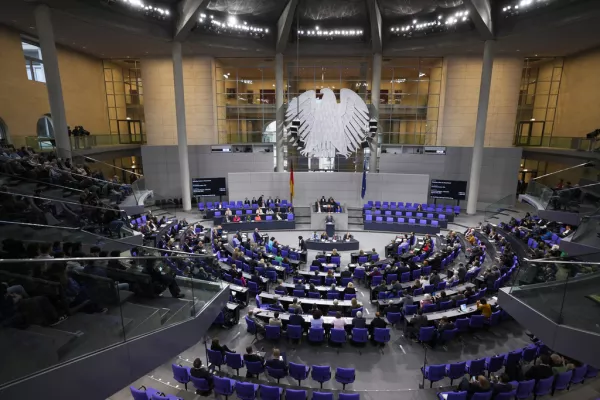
<point>61,338</point>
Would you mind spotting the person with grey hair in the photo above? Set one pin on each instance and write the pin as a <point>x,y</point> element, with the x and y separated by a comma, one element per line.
<point>336,307</point>
<point>295,305</point>
<point>359,321</point>
<point>345,273</point>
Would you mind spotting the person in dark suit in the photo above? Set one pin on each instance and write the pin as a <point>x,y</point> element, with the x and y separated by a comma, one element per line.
<point>335,307</point>
<point>359,321</point>
<point>328,218</point>
<point>280,286</point>
<point>301,244</point>
<point>198,371</point>
<point>254,201</point>
<point>346,273</point>
<point>247,201</point>
<point>391,308</point>
<point>541,369</point>
<point>415,324</point>
<point>276,363</point>
<point>347,236</point>
<point>162,279</point>
<point>216,346</point>
<point>350,289</point>
<point>434,279</point>
<point>461,272</point>
<point>377,322</point>
<point>296,318</point>
<point>251,356</point>
<point>502,385</point>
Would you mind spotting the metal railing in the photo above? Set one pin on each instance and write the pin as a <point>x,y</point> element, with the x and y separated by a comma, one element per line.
<point>498,206</point>
<point>540,192</point>
<point>564,291</point>
<point>85,142</point>
<point>558,142</point>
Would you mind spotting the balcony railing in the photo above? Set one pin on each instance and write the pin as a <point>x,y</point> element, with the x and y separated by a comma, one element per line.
<point>557,142</point>
<point>83,142</point>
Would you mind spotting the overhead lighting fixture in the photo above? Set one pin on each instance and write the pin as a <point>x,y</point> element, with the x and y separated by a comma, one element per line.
<point>523,5</point>
<point>434,25</point>
<point>149,10</point>
<point>233,25</point>
<point>329,34</point>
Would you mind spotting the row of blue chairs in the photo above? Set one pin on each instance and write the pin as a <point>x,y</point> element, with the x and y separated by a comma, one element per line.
<point>226,386</point>
<point>407,214</point>
<point>411,207</point>
<point>400,220</point>
<point>236,205</point>
<point>524,389</point>
<point>290,216</point>
<point>317,335</point>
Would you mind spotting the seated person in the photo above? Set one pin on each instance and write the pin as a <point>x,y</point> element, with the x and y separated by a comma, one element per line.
<point>296,318</point>
<point>414,325</point>
<point>295,305</point>
<point>336,307</point>
<point>257,218</point>
<point>216,346</point>
<point>270,211</point>
<point>236,218</point>
<point>477,384</point>
<point>324,236</point>
<point>484,307</point>
<point>347,236</point>
<point>338,321</point>
<point>260,326</point>
<point>275,321</point>
<point>198,371</point>
<point>160,280</point>
<point>317,320</point>
<point>350,289</point>
<point>251,356</point>
<point>259,211</point>
<point>359,321</point>
<point>276,362</point>
<point>502,385</point>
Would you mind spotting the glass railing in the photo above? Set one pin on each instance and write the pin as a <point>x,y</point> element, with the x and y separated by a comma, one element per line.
<point>85,142</point>
<point>559,142</point>
<point>541,193</point>
<point>59,309</point>
<point>499,206</point>
<point>564,291</point>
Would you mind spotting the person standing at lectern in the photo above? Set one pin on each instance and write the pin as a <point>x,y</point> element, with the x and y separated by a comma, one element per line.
<point>329,218</point>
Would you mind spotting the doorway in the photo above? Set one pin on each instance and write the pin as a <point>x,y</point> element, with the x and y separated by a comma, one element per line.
<point>530,133</point>
<point>130,131</point>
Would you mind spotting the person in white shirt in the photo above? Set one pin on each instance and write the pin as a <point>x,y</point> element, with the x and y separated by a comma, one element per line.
<point>338,322</point>
<point>228,213</point>
<point>270,211</point>
<point>259,211</point>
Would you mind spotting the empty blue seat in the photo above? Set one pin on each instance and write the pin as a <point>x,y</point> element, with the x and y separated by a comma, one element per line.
<point>246,391</point>
<point>299,372</point>
<point>181,374</point>
<point>345,376</point>
<point>139,394</point>
<point>291,394</point>
<point>321,373</point>
<point>223,386</point>
<point>433,373</point>
<point>455,371</point>
<point>316,335</point>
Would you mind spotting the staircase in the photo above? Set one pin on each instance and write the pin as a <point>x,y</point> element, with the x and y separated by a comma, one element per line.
<point>355,218</point>
<point>302,217</point>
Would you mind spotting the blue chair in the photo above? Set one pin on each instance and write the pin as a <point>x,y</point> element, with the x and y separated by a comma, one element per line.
<point>333,295</point>
<point>349,396</point>
<point>494,364</point>
<point>482,396</point>
<point>246,391</point>
<point>376,280</point>
<point>224,386</point>
<point>477,321</point>
<point>418,292</point>
<point>445,305</point>
<point>455,371</point>
<point>513,357</point>
<point>543,387</point>
<point>475,367</point>
<point>276,373</point>
<point>291,394</point>
<point>349,296</point>
<point>321,373</point>
<point>433,373</point>
<point>416,274</point>
<point>426,334</point>
<point>360,335</point>
<point>294,332</point>
<point>270,392</point>
<point>322,396</point>
<point>139,394</point>
<point>506,395</point>
<point>390,278</point>
<point>255,368</point>
<point>427,308</point>
<point>337,336</point>
<point>316,335</point>
<point>299,372</point>
<point>314,295</point>
<point>579,374</point>
<point>215,358</point>
<point>355,310</point>
<point>272,332</point>
<point>299,293</point>
<point>452,396</point>
<point>525,389</point>
<point>381,335</point>
<point>447,336</point>
<point>562,381</point>
<point>234,361</point>
<point>410,310</point>
<point>181,374</point>
<point>405,277</point>
<point>345,376</point>
<point>394,318</point>
<point>162,396</point>
<point>201,385</point>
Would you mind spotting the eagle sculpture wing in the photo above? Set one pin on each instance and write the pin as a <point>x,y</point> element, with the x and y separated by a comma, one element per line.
<point>303,108</point>
<point>354,118</point>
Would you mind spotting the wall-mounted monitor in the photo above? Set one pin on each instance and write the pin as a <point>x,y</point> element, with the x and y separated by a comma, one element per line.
<point>209,187</point>
<point>445,189</point>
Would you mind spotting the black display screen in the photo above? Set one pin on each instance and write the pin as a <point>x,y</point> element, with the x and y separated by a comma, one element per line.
<point>444,189</point>
<point>209,187</point>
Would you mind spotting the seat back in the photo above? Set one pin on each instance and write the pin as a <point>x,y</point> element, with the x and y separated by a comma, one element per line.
<point>360,335</point>
<point>246,390</point>
<point>316,334</point>
<point>563,380</point>
<point>223,386</point>
<point>345,375</point>
<point>298,371</point>
<point>544,386</point>
<point>525,389</point>
<point>482,396</point>
<point>321,373</point>
<point>272,332</point>
<point>234,360</point>
<point>456,370</point>
<point>337,335</point>
<point>180,374</point>
<point>215,357</point>
<point>291,394</point>
<point>381,335</point>
<point>255,367</point>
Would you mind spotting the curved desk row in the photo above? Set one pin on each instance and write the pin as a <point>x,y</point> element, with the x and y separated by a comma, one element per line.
<point>346,245</point>
<point>262,225</point>
<point>397,227</point>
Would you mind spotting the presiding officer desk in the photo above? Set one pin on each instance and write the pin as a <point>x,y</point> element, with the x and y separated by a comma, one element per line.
<point>342,245</point>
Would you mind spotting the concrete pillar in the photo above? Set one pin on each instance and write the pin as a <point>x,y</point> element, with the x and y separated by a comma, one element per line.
<point>184,166</point>
<point>375,89</point>
<point>43,24</point>
<point>482,110</point>
<point>280,114</point>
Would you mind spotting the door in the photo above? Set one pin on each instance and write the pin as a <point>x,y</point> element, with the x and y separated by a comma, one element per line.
<point>130,131</point>
<point>530,133</point>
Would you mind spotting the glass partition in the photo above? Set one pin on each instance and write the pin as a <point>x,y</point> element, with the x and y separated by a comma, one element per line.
<point>59,309</point>
<point>497,207</point>
<point>567,292</point>
<point>540,192</point>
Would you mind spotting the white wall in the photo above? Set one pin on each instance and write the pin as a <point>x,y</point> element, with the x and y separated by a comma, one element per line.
<point>345,187</point>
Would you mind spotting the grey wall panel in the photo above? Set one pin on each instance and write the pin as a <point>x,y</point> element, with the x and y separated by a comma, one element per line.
<point>345,187</point>
<point>161,166</point>
<point>499,171</point>
<point>99,375</point>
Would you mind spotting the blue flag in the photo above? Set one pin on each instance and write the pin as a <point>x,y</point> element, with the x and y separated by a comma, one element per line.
<point>364,182</point>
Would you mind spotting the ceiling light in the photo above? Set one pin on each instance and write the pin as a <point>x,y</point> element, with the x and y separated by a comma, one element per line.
<point>316,27</point>
<point>232,20</point>
<point>439,17</point>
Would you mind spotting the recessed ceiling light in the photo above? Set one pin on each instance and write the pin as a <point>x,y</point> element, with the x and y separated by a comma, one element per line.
<point>518,50</point>
<point>32,27</point>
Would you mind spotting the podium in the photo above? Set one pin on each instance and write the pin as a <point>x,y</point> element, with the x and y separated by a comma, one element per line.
<point>330,229</point>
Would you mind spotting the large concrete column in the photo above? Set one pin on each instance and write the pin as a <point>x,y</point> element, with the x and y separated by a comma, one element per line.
<point>43,24</point>
<point>280,115</point>
<point>375,89</point>
<point>184,166</point>
<point>482,109</point>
